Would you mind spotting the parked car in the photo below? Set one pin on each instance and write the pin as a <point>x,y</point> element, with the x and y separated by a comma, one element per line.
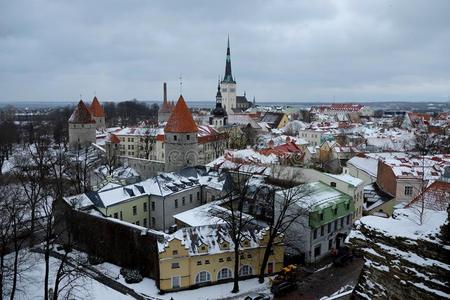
<point>283,288</point>
<point>257,296</point>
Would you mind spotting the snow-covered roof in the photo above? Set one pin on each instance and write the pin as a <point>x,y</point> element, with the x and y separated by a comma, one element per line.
<point>211,236</point>
<point>315,195</point>
<point>347,178</point>
<point>162,185</point>
<point>366,164</point>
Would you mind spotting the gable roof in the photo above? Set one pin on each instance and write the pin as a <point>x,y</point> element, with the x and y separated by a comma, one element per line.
<point>180,119</point>
<point>81,115</point>
<point>96,108</point>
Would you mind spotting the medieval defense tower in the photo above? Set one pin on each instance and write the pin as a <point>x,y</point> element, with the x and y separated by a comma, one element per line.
<point>180,138</point>
<point>81,127</point>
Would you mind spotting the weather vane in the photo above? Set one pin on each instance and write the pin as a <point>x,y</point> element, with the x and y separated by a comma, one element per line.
<point>181,84</point>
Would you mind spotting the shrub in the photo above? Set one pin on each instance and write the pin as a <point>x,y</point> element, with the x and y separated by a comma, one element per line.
<point>131,275</point>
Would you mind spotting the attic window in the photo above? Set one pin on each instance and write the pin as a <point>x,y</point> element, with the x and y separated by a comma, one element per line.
<point>333,184</point>
<point>225,245</point>
<point>203,248</point>
<point>175,252</point>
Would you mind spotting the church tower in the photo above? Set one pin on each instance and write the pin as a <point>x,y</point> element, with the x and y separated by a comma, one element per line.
<point>228,85</point>
<point>219,117</point>
<point>180,138</point>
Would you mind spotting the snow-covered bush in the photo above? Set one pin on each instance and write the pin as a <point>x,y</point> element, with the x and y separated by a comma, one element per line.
<point>131,275</point>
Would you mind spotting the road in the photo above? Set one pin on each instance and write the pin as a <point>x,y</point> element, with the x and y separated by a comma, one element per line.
<point>326,282</point>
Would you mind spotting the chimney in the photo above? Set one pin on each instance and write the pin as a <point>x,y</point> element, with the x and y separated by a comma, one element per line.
<point>165,92</point>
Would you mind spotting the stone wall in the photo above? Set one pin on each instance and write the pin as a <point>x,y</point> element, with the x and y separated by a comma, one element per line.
<point>400,268</point>
<point>118,243</point>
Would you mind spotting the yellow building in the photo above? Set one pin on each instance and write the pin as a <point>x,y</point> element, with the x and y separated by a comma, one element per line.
<point>197,256</point>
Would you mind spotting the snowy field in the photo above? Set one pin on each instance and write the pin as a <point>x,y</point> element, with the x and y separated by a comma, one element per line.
<point>31,284</point>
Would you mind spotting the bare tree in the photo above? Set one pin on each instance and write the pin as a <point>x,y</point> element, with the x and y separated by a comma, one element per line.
<point>231,213</point>
<point>287,207</point>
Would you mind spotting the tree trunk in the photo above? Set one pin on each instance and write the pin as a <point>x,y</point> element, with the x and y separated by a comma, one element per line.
<point>16,257</point>
<point>236,269</point>
<point>2,262</point>
<point>266,258</point>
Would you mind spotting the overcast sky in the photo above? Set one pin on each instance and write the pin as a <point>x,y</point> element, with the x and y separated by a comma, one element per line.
<point>280,50</point>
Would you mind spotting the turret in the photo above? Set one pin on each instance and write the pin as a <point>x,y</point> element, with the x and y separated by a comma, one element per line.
<point>180,138</point>
<point>81,127</point>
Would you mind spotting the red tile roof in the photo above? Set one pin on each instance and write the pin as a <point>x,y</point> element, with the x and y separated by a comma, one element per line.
<point>81,115</point>
<point>436,196</point>
<point>96,108</point>
<point>114,139</point>
<point>180,119</point>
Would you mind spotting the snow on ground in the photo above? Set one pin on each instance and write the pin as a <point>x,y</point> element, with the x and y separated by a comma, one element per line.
<point>219,291</point>
<point>31,284</point>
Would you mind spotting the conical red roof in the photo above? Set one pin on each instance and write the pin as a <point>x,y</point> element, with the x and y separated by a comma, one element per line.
<point>96,108</point>
<point>180,119</point>
<point>81,115</point>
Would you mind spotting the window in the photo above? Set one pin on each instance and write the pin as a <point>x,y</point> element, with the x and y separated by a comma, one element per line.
<point>145,206</point>
<point>207,262</point>
<point>228,258</point>
<point>190,198</point>
<point>153,206</point>
<point>188,137</point>
<point>342,222</point>
<point>317,251</point>
<point>203,276</point>
<point>175,252</point>
<point>245,270</point>
<point>183,201</point>
<point>199,263</point>
<point>220,259</point>
<point>176,203</point>
<point>315,234</point>
<point>175,282</point>
<point>225,273</point>
<point>348,219</point>
<point>153,222</point>
<point>249,256</point>
<point>145,222</point>
<point>330,244</point>
<point>335,225</point>
<point>174,137</point>
<point>321,216</point>
<point>175,265</point>
<point>408,190</point>
<point>335,211</point>
<point>322,230</point>
<point>198,196</point>
<point>329,227</point>
<point>333,184</point>
<point>347,206</point>
<point>137,223</point>
<point>134,210</point>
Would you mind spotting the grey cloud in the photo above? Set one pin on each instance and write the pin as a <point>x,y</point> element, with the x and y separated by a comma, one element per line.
<point>281,50</point>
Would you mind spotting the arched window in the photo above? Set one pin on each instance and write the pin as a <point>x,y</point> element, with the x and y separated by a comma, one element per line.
<point>245,270</point>
<point>203,276</point>
<point>225,273</point>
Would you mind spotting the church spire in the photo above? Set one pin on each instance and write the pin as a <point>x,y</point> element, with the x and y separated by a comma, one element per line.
<point>228,76</point>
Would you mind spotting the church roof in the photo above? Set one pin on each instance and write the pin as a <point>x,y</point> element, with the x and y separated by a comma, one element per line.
<point>96,108</point>
<point>181,119</point>
<point>81,115</point>
<point>228,76</point>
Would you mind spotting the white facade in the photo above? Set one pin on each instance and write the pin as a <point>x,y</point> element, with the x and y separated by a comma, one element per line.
<point>228,90</point>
